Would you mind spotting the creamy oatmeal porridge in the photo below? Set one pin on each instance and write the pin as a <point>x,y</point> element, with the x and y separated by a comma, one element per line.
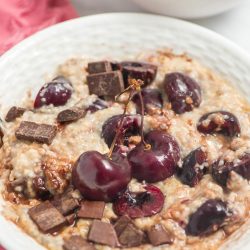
<point>81,174</point>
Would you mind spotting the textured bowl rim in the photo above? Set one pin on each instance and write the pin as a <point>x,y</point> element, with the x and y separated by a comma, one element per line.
<point>6,58</point>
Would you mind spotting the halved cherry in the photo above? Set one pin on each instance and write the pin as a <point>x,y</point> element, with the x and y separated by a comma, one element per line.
<point>142,204</point>
<point>221,122</point>
<point>130,127</point>
<point>182,91</point>
<point>193,168</point>
<point>207,218</point>
<point>152,99</point>
<point>221,169</point>
<point>56,92</point>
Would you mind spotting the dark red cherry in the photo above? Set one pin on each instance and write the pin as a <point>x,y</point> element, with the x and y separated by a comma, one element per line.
<point>138,70</point>
<point>130,127</point>
<point>221,169</point>
<point>56,92</point>
<point>99,178</point>
<point>152,99</point>
<point>207,218</point>
<point>222,122</point>
<point>98,104</point>
<point>142,204</point>
<point>157,163</point>
<point>193,168</point>
<point>182,91</point>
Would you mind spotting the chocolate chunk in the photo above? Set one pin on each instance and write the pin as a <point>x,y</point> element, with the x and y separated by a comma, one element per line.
<point>76,242</point>
<point>65,205</point>
<point>1,133</point>
<point>121,224</point>
<point>98,104</point>
<point>103,233</point>
<point>70,115</point>
<point>138,70</point>
<point>158,235</point>
<point>34,132</point>
<point>99,67</point>
<point>47,217</point>
<point>14,113</point>
<point>91,209</point>
<point>105,84</point>
<point>131,236</point>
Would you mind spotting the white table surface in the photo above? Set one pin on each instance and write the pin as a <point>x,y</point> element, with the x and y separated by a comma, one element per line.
<point>234,24</point>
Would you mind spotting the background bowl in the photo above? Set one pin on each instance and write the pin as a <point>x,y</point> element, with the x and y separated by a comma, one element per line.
<point>188,8</point>
<point>112,35</point>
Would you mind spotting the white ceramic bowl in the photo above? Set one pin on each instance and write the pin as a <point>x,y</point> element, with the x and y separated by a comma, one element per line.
<point>115,35</point>
<point>188,8</point>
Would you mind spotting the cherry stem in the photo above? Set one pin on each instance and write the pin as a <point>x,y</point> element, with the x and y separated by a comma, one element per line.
<point>146,145</point>
<point>121,121</point>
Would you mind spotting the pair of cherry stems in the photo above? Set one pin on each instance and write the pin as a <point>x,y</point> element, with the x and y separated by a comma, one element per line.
<point>134,87</point>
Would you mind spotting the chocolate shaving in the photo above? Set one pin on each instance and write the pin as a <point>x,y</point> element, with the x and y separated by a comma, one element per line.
<point>65,205</point>
<point>47,217</point>
<point>70,115</point>
<point>99,67</point>
<point>76,242</point>
<point>34,132</point>
<point>91,209</point>
<point>14,113</point>
<point>103,233</point>
<point>106,84</point>
<point>158,236</point>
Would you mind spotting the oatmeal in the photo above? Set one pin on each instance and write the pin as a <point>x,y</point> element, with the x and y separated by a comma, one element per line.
<point>151,153</point>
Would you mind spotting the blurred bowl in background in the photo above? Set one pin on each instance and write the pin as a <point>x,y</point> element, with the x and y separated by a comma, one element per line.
<point>189,9</point>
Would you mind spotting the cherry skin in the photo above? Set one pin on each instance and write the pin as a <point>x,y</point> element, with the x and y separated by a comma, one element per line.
<point>99,178</point>
<point>157,163</point>
<point>221,169</point>
<point>130,127</point>
<point>142,204</point>
<point>192,169</point>
<point>152,99</point>
<point>183,92</point>
<point>207,218</point>
<point>221,122</point>
<point>56,92</point>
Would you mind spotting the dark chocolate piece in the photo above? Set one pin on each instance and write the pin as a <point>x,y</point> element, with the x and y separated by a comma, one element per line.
<point>14,113</point>
<point>1,133</point>
<point>98,104</point>
<point>91,209</point>
<point>70,115</point>
<point>47,217</point>
<point>131,236</point>
<point>65,205</point>
<point>71,219</point>
<point>99,67</point>
<point>76,242</point>
<point>121,224</point>
<point>158,235</point>
<point>103,233</point>
<point>34,132</point>
<point>106,84</point>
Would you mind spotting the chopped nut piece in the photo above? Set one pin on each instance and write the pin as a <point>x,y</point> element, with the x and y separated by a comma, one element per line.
<point>65,205</point>
<point>47,217</point>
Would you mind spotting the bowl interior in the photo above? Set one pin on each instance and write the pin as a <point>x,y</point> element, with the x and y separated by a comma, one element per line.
<point>109,35</point>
